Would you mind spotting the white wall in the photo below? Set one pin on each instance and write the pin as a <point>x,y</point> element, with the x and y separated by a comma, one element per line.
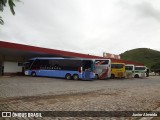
<point>12,67</point>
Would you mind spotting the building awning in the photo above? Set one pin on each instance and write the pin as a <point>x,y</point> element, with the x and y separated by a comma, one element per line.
<point>26,51</point>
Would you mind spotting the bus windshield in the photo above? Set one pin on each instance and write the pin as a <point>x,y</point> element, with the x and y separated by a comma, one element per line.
<point>119,66</point>
<point>28,64</point>
<point>129,67</point>
<point>140,68</point>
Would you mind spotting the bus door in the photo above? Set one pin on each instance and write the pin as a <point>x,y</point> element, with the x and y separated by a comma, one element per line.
<point>88,67</point>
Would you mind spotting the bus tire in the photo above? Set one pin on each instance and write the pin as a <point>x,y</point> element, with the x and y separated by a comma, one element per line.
<point>96,76</point>
<point>112,76</point>
<point>136,76</point>
<point>75,77</point>
<point>68,76</point>
<point>33,74</point>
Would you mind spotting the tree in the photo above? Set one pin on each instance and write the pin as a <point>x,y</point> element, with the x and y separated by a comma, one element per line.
<point>156,66</point>
<point>3,4</point>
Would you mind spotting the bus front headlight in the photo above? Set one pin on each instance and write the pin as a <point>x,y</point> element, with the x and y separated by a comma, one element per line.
<point>26,73</point>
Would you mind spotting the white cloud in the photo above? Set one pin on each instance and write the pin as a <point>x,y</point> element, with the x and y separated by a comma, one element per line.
<point>85,26</point>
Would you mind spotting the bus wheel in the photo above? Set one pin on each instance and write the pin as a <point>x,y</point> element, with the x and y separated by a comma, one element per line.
<point>68,76</point>
<point>75,77</point>
<point>136,76</point>
<point>96,76</point>
<point>112,76</point>
<point>33,74</point>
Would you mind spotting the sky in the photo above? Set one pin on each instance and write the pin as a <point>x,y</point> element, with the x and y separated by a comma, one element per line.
<point>84,26</point>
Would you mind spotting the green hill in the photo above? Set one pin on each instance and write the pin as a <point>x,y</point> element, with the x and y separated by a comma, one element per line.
<point>143,55</point>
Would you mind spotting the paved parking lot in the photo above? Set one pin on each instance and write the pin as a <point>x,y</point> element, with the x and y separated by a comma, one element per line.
<point>36,86</point>
<point>50,94</point>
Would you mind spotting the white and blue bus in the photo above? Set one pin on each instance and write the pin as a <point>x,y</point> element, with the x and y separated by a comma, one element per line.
<point>69,68</point>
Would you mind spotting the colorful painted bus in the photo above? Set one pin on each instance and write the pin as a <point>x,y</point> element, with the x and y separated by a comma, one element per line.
<point>117,70</point>
<point>139,72</point>
<point>102,68</point>
<point>68,68</point>
<point>129,70</point>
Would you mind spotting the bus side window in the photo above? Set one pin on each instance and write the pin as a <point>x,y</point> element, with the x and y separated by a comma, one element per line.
<point>56,66</point>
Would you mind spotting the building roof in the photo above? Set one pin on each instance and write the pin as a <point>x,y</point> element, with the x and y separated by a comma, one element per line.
<point>14,49</point>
